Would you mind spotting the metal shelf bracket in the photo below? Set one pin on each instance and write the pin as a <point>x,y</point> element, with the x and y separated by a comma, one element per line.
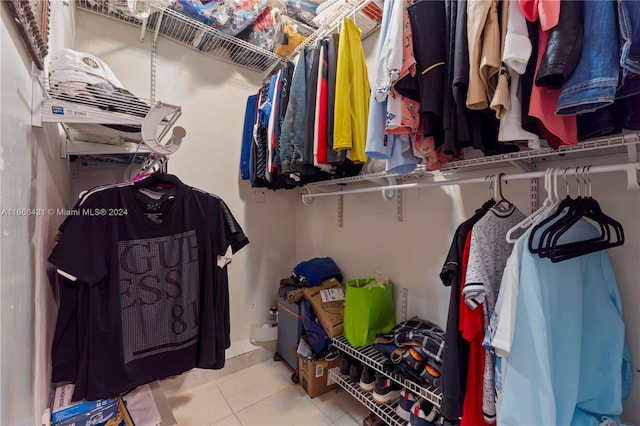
<point>633,182</point>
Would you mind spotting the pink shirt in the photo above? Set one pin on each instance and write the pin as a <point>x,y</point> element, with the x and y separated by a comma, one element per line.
<point>557,130</point>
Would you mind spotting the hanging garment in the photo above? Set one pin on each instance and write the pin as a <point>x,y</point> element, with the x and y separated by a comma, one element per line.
<point>483,29</point>
<point>285,94</point>
<point>320,139</point>
<point>260,159</point>
<point>500,99</point>
<point>456,354</point>
<point>247,135</point>
<point>333,156</point>
<point>529,122</point>
<point>499,334</point>
<point>516,56</point>
<point>380,144</point>
<point>555,129</point>
<point>273,125</point>
<point>448,107</point>
<point>430,49</point>
<point>352,95</point>
<point>478,129</point>
<point>482,281</point>
<point>310,121</point>
<point>564,46</point>
<point>389,61</point>
<point>403,112</point>
<point>593,83</point>
<point>629,29</point>
<point>569,331</point>
<point>156,281</point>
<point>472,328</point>
<point>293,135</point>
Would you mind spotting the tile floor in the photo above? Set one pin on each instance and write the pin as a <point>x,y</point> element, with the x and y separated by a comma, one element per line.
<point>263,394</point>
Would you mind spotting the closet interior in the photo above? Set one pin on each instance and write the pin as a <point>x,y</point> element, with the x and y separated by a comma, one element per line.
<point>178,110</point>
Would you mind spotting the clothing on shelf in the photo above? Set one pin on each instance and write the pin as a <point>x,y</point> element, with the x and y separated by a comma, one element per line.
<point>148,291</point>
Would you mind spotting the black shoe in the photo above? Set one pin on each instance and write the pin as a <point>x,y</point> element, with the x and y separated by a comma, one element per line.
<point>345,365</point>
<point>386,391</point>
<point>356,371</point>
<point>368,379</point>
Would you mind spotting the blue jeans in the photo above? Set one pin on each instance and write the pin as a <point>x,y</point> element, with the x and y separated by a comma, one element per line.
<point>594,82</point>
<point>629,20</point>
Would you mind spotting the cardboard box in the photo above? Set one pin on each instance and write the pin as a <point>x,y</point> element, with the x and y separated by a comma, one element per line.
<point>314,375</point>
<point>80,413</point>
<point>327,302</point>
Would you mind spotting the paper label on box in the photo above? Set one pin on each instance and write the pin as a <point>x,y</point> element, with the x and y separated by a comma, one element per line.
<point>319,370</point>
<point>331,295</point>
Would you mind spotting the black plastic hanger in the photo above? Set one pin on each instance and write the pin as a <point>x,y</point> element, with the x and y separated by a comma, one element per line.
<point>579,209</point>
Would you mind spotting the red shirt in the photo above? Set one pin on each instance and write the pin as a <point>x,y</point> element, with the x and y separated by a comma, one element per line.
<point>472,327</point>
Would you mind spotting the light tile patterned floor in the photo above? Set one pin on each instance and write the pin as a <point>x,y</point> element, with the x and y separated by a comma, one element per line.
<point>263,394</point>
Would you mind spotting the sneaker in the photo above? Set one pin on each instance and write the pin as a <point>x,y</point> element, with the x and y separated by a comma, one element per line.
<point>368,379</point>
<point>406,401</point>
<point>356,371</point>
<point>385,390</point>
<point>423,413</point>
<point>345,365</point>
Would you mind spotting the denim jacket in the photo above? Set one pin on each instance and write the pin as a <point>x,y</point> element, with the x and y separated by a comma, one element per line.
<point>629,21</point>
<point>291,143</point>
<point>593,83</point>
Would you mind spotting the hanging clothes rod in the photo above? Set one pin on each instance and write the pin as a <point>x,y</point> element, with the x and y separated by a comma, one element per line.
<point>630,168</point>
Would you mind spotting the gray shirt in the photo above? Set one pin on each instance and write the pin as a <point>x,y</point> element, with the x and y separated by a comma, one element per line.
<point>487,259</point>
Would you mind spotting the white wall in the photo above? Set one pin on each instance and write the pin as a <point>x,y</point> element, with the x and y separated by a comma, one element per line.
<point>213,95</point>
<point>32,175</point>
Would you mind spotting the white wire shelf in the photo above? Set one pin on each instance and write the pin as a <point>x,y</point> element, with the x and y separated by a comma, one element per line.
<point>370,356</point>
<point>195,35</point>
<point>386,412</point>
<point>527,159</point>
<point>212,42</point>
<point>350,8</point>
<point>100,121</point>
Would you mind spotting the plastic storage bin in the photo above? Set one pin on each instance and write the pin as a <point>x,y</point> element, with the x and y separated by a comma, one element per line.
<point>289,332</point>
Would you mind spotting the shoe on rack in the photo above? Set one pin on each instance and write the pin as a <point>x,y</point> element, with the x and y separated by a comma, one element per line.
<point>368,379</point>
<point>406,401</point>
<point>355,372</point>
<point>385,391</point>
<point>345,365</point>
<point>372,420</point>
<point>423,413</point>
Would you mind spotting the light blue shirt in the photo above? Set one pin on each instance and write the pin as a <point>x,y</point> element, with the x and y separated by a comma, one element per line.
<point>569,363</point>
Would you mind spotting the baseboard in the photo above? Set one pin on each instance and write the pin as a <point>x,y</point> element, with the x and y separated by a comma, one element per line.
<point>240,355</point>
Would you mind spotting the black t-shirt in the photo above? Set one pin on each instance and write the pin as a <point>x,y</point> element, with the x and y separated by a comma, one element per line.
<point>157,287</point>
<point>455,360</point>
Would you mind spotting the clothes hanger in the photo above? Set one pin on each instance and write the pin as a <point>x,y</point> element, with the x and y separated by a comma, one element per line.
<point>564,221</point>
<point>547,205</point>
<point>588,208</point>
<point>502,204</point>
<point>555,216</point>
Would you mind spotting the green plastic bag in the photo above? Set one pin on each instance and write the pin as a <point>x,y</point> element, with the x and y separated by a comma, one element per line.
<point>368,310</point>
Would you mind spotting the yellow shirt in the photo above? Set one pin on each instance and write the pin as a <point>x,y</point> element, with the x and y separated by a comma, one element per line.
<point>352,95</point>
